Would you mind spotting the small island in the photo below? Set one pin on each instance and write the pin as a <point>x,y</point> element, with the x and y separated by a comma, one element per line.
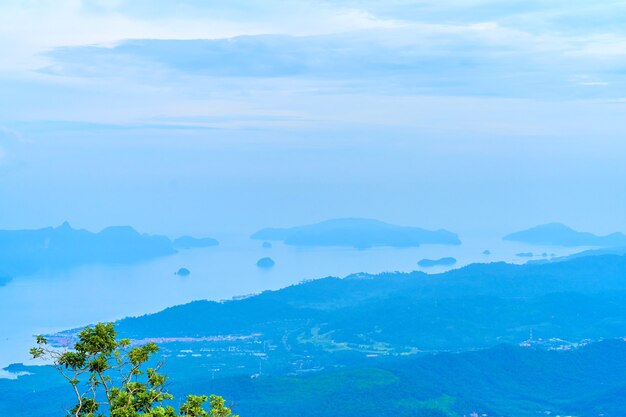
<point>265,263</point>
<point>525,254</point>
<point>486,252</point>
<point>429,263</point>
<point>266,245</point>
<point>183,272</point>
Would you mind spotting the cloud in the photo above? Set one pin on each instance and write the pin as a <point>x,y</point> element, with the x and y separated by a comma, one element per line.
<point>29,27</point>
<point>412,49</point>
<point>572,16</point>
<point>484,59</point>
<point>458,46</point>
<point>129,64</point>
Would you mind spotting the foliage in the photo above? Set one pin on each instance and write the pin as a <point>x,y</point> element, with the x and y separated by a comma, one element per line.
<point>342,347</point>
<point>108,378</point>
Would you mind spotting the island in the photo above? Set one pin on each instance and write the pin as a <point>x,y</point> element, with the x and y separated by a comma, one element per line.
<point>357,233</point>
<point>24,252</point>
<point>429,263</point>
<point>266,245</point>
<point>525,254</point>
<point>486,252</point>
<point>557,234</point>
<point>617,251</point>
<point>188,242</point>
<point>265,263</point>
<point>183,272</point>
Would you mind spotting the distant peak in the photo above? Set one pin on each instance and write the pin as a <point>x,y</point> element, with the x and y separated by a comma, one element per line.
<point>65,225</point>
<point>553,226</point>
<point>119,229</point>
<point>360,233</point>
<point>351,221</point>
<point>561,235</point>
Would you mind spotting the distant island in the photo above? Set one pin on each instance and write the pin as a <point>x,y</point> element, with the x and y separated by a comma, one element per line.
<point>188,242</point>
<point>265,263</point>
<point>525,254</point>
<point>357,233</point>
<point>558,234</point>
<point>428,263</point>
<point>24,252</point>
<point>619,251</point>
<point>267,245</point>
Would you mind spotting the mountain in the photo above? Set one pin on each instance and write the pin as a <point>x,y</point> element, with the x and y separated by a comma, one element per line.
<point>495,339</point>
<point>558,234</point>
<point>25,251</point>
<point>428,263</point>
<point>358,233</point>
<point>594,252</point>
<point>469,308</point>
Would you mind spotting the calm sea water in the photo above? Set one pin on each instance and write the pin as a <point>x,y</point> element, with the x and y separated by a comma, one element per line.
<point>51,301</point>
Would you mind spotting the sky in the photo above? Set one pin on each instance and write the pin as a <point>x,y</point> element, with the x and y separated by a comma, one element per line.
<point>200,117</point>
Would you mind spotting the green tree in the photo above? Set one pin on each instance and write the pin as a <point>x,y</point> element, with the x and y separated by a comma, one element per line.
<point>108,378</point>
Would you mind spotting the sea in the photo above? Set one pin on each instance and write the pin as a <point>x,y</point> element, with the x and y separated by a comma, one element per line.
<point>55,300</point>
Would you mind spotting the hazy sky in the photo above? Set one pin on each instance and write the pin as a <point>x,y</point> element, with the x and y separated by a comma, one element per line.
<point>210,116</point>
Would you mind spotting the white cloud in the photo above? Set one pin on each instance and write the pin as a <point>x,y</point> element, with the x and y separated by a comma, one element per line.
<point>361,54</point>
<point>29,27</point>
